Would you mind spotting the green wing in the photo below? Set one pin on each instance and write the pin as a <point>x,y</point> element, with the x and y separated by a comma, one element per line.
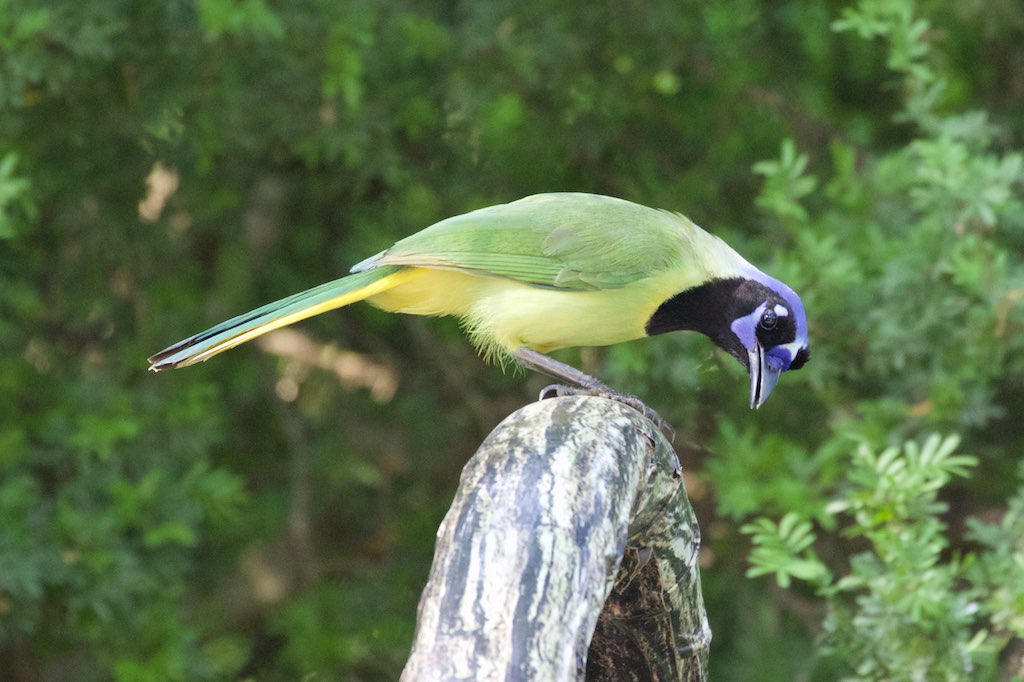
<point>565,240</point>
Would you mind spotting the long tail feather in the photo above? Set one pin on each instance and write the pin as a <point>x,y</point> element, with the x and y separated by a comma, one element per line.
<point>248,326</point>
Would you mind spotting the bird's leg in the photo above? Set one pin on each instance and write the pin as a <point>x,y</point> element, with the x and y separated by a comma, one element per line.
<point>577,383</point>
<point>545,364</point>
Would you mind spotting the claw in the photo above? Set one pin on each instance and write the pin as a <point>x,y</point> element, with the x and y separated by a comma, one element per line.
<point>584,384</point>
<point>555,391</point>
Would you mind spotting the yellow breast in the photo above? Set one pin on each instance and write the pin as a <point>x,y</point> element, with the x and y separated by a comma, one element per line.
<point>502,315</point>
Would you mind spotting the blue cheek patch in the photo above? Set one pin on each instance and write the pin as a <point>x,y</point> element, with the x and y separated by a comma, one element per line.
<point>778,358</point>
<point>745,328</point>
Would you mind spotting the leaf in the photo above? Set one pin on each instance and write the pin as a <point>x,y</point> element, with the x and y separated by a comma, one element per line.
<point>785,184</point>
<point>171,533</point>
<point>783,550</point>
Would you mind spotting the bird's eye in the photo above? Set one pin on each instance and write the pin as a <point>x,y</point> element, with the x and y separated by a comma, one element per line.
<point>769,319</point>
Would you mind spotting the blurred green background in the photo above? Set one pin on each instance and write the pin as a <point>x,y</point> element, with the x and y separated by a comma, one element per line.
<point>270,515</point>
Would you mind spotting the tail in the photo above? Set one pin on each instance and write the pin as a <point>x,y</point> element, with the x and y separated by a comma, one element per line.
<point>238,330</point>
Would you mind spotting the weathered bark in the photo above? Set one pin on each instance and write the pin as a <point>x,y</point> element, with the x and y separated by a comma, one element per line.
<point>532,549</point>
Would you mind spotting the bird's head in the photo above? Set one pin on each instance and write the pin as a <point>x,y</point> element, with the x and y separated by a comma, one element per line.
<point>768,333</point>
<point>755,318</point>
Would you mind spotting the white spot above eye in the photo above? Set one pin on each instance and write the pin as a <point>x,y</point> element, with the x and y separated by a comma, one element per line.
<point>781,310</point>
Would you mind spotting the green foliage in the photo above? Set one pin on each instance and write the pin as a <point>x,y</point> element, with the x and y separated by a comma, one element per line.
<point>910,259</point>
<point>899,611</point>
<point>272,516</point>
<point>229,17</point>
<point>991,571</point>
<point>82,560</point>
<point>768,473</point>
<point>14,197</point>
<point>328,630</point>
<point>785,184</point>
<point>42,45</point>
<point>783,550</point>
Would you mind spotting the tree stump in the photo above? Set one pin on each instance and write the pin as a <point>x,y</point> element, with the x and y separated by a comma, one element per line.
<point>569,553</point>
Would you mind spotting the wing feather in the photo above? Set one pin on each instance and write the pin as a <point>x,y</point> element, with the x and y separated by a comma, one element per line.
<point>566,241</point>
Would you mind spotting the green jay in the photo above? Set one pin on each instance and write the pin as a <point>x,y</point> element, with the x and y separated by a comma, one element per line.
<point>557,271</point>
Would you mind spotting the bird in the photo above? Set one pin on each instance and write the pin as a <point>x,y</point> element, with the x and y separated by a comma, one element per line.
<point>552,271</point>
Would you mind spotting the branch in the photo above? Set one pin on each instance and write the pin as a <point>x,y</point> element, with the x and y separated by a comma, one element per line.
<point>533,546</point>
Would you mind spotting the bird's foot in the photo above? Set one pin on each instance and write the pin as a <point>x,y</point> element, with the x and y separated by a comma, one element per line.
<point>561,390</point>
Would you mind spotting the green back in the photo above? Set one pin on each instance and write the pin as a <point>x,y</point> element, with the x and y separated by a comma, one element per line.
<point>565,240</point>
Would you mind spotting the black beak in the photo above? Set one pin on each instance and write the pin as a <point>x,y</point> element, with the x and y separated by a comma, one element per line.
<point>762,377</point>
